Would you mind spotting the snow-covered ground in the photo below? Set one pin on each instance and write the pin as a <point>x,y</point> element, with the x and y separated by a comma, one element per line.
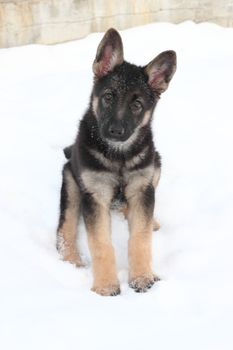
<point>46,303</point>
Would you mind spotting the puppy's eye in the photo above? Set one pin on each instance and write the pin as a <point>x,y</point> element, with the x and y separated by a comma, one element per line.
<point>108,97</point>
<point>136,106</point>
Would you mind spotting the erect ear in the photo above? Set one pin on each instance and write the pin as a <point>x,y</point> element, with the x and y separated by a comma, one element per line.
<point>161,70</point>
<point>109,53</point>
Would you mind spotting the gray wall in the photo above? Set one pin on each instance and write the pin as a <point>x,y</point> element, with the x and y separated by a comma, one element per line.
<point>53,21</point>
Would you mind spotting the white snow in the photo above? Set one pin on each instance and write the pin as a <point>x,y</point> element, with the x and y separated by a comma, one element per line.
<point>46,303</point>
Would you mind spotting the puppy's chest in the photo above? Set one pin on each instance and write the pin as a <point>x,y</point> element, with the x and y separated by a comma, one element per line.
<point>115,187</point>
<point>119,197</point>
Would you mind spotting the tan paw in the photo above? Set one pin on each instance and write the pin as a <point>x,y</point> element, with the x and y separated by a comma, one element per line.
<point>156,225</point>
<point>110,290</point>
<point>74,259</point>
<point>141,284</point>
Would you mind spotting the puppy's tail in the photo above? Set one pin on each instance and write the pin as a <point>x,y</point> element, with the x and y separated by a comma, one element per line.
<point>68,151</point>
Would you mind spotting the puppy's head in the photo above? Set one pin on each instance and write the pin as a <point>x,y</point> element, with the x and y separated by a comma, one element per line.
<point>124,95</point>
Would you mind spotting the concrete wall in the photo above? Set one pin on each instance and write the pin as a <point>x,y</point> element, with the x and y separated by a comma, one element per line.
<point>52,21</point>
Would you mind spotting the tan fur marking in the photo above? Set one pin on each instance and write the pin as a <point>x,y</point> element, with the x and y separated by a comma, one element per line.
<point>156,225</point>
<point>102,252</point>
<point>156,177</point>
<point>138,180</point>
<point>139,249</point>
<point>125,210</point>
<point>66,237</point>
<point>146,118</point>
<point>140,227</point>
<point>100,184</point>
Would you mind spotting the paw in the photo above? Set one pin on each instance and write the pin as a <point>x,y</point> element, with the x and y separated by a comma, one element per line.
<point>141,284</point>
<point>110,290</point>
<point>156,225</point>
<point>68,252</point>
<point>74,259</point>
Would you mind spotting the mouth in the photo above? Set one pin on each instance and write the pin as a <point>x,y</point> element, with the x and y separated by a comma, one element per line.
<point>125,142</point>
<point>117,139</point>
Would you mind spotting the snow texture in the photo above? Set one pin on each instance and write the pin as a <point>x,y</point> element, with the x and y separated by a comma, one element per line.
<point>46,303</point>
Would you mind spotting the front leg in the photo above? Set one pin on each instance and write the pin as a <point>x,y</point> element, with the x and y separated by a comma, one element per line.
<point>97,220</point>
<point>140,220</point>
<point>96,212</point>
<point>69,216</point>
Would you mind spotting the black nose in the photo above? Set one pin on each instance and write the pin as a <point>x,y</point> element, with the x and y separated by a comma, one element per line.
<point>116,131</point>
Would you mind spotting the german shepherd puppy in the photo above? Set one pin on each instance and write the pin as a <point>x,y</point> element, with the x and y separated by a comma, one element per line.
<point>113,162</point>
